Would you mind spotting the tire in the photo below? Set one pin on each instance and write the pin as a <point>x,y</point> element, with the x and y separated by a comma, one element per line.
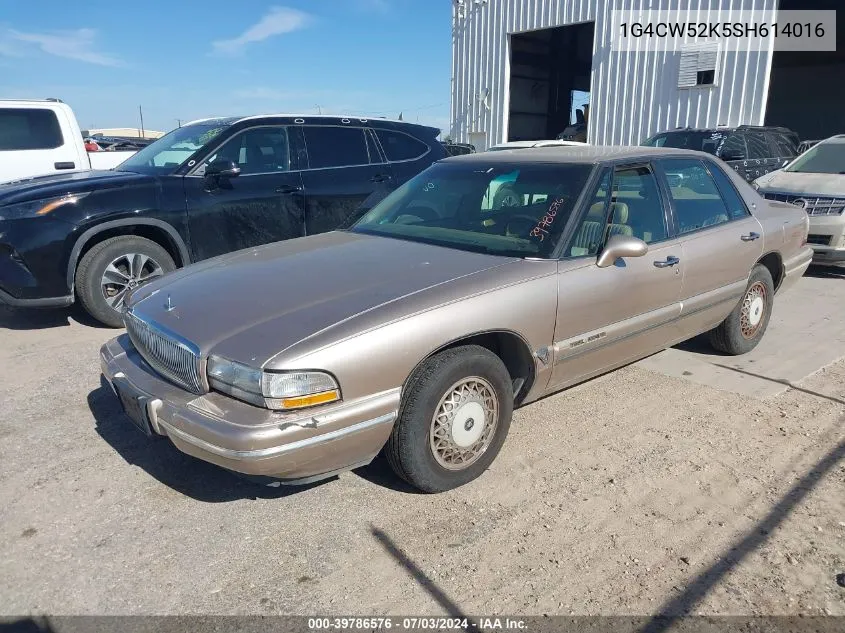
<point>410,449</point>
<point>746,325</point>
<point>115,250</point>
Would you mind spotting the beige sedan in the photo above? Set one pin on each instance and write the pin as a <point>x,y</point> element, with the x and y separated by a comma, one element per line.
<point>420,329</point>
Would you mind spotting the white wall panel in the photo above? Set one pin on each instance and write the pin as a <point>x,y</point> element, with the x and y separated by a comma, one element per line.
<point>634,93</point>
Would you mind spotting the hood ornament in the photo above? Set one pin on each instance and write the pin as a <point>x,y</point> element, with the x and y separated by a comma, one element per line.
<point>169,305</point>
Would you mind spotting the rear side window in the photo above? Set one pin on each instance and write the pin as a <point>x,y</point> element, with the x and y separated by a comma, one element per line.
<point>736,207</point>
<point>29,129</point>
<point>330,146</point>
<point>695,197</point>
<point>784,146</point>
<point>399,146</point>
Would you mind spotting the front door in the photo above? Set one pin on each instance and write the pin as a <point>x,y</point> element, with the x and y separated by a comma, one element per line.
<point>346,177</point>
<point>263,204</point>
<point>610,316</point>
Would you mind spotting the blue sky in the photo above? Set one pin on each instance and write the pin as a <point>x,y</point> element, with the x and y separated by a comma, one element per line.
<point>185,60</point>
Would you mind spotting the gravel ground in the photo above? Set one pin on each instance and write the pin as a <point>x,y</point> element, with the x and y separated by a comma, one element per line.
<point>635,493</point>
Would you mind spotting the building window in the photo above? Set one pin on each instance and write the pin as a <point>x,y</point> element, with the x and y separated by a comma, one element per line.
<point>698,65</point>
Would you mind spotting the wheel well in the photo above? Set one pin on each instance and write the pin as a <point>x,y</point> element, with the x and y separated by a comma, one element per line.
<point>514,353</point>
<point>152,233</point>
<point>774,263</point>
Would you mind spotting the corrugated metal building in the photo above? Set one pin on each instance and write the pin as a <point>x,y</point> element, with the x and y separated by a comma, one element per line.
<point>522,67</point>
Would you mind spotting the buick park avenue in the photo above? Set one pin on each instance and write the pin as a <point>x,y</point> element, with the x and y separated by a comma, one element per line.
<point>418,330</point>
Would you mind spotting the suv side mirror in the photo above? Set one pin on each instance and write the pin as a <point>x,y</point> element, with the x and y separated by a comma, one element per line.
<point>222,168</point>
<point>621,246</point>
<point>733,154</point>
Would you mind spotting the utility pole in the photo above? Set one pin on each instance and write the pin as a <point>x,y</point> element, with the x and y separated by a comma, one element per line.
<point>179,122</point>
<point>141,112</point>
<point>319,109</point>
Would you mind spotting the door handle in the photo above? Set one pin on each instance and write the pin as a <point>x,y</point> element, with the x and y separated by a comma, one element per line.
<point>288,189</point>
<point>750,237</point>
<point>380,178</point>
<point>67,165</point>
<point>669,261</point>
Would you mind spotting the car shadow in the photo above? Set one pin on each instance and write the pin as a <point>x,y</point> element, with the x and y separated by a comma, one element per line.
<point>380,473</point>
<point>45,318</point>
<point>188,475</point>
<point>699,345</point>
<point>825,272</point>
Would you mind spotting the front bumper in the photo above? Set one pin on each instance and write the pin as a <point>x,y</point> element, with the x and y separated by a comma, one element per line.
<point>295,447</point>
<point>830,231</point>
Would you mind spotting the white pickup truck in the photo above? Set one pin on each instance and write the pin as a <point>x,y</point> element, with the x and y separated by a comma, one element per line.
<point>39,137</point>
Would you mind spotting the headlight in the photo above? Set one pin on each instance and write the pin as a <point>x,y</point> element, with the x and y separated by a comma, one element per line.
<point>38,207</point>
<point>273,390</point>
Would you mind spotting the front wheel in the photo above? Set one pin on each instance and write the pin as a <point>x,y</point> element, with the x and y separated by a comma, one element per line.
<point>745,326</point>
<point>112,268</point>
<point>454,419</point>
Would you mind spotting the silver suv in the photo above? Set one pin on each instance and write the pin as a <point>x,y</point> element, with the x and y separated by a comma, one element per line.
<point>815,181</point>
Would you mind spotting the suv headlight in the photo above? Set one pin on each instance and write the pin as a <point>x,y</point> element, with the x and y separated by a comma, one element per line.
<point>274,390</point>
<point>38,207</point>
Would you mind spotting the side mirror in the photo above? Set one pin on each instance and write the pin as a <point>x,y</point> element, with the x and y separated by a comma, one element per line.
<point>621,246</point>
<point>733,154</point>
<point>222,168</point>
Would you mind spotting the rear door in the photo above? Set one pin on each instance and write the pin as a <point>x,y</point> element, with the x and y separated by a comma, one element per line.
<point>720,240</point>
<point>33,143</point>
<point>609,316</point>
<point>346,176</point>
<point>263,204</point>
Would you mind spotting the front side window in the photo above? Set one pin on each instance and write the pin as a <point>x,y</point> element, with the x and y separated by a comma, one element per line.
<point>332,146</point>
<point>29,128</point>
<point>758,146</point>
<point>450,205</point>
<point>695,197</point>
<point>400,146</point>
<point>174,149</point>
<point>785,147</point>
<point>261,150</point>
<point>824,158</point>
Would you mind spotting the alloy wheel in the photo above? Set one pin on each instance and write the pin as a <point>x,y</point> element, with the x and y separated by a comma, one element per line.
<point>125,273</point>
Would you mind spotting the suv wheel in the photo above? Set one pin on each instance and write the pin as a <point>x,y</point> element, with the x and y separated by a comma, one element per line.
<point>453,420</point>
<point>114,267</point>
<point>745,326</point>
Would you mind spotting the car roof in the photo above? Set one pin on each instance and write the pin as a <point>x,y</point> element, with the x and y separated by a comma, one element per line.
<point>540,143</point>
<point>584,154</point>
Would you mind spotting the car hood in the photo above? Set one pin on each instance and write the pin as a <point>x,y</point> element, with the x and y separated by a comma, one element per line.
<point>799,183</point>
<point>47,186</point>
<point>251,305</point>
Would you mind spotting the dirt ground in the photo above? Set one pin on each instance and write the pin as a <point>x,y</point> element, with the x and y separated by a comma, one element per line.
<point>636,493</point>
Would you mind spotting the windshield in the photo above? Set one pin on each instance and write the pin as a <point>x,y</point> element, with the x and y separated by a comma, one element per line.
<point>173,149</point>
<point>700,141</point>
<point>514,210</point>
<point>824,158</point>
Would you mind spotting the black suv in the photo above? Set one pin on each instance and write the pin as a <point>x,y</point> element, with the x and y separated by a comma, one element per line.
<point>751,150</point>
<point>204,189</point>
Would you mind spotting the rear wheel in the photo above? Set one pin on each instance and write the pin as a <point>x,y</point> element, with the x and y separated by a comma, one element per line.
<point>453,420</point>
<point>112,268</point>
<point>745,326</point>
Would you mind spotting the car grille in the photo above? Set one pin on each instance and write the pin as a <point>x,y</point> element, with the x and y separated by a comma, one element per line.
<point>821,240</point>
<point>813,205</point>
<point>174,359</point>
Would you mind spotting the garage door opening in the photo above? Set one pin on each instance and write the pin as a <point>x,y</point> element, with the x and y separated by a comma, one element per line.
<point>550,83</point>
<point>805,90</point>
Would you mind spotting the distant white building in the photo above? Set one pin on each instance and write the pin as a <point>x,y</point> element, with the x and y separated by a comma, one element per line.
<point>521,70</point>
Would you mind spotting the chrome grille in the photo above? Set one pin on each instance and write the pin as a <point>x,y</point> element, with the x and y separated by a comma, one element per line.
<point>813,205</point>
<point>176,360</point>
